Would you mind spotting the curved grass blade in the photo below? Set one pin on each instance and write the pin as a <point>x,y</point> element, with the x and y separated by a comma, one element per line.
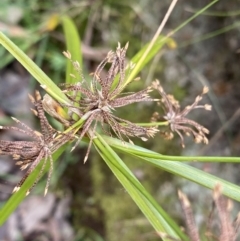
<point>153,212</point>
<point>73,45</point>
<point>18,197</point>
<point>6,58</point>
<point>160,42</point>
<point>177,168</point>
<point>33,69</point>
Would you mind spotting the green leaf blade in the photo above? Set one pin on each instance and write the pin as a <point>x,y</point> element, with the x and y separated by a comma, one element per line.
<point>177,168</point>
<point>73,45</point>
<point>153,212</point>
<point>33,69</point>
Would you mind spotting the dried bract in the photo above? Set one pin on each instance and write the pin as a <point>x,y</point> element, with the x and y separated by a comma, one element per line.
<point>101,97</point>
<point>177,119</point>
<point>54,109</point>
<point>29,153</point>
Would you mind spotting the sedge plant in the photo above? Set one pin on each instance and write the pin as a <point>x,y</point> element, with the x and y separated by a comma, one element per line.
<point>80,105</point>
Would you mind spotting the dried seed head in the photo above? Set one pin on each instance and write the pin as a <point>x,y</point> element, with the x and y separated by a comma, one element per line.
<point>101,98</point>
<point>15,119</point>
<point>67,54</point>
<point>34,112</point>
<point>31,98</point>
<point>166,135</point>
<point>228,230</point>
<point>177,119</point>
<point>155,117</point>
<point>16,156</point>
<point>207,107</point>
<point>151,131</point>
<point>73,76</point>
<point>30,153</point>
<point>76,65</point>
<point>137,79</point>
<point>15,189</point>
<point>44,87</point>
<point>19,163</point>
<point>54,109</point>
<point>183,198</point>
<point>205,90</point>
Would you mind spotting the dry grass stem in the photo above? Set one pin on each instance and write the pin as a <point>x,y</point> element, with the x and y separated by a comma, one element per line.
<point>228,230</point>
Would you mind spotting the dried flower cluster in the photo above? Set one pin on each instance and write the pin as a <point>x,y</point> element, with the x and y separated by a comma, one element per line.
<point>95,101</point>
<point>177,119</point>
<point>101,97</point>
<point>29,153</point>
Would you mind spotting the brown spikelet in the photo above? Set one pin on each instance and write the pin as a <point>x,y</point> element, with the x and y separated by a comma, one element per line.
<point>228,230</point>
<point>30,153</point>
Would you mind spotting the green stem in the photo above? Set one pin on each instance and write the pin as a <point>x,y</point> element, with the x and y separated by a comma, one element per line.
<point>210,35</point>
<point>77,125</point>
<point>163,123</point>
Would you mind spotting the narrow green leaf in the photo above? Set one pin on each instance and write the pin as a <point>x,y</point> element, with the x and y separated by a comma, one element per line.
<point>154,213</point>
<point>143,152</point>
<point>177,168</point>
<point>6,58</point>
<point>33,69</point>
<point>73,44</point>
<point>161,41</point>
<point>198,176</point>
<point>18,197</point>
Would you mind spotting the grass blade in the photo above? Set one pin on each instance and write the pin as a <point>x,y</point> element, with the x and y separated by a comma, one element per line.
<point>177,168</point>
<point>154,213</point>
<point>73,44</point>
<point>160,42</point>
<point>33,69</point>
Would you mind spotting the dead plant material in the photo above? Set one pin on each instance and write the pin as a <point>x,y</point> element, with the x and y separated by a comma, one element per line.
<point>177,119</point>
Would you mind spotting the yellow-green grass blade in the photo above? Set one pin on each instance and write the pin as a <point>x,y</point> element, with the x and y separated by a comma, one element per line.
<point>73,45</point>
<point>24,45</point>
<point>153,212</point>
<point>18,197</point>
<point>157,46</point>
<point>178,168</point>
<point>33,69</point>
